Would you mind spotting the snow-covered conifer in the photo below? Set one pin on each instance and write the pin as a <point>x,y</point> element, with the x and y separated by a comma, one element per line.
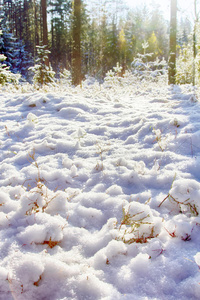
<point>144,67</point>
<point>42,74</point>
<point>17,58</point>
<point>5,74</point>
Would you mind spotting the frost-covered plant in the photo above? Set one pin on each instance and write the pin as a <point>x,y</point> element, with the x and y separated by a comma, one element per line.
<point>117,69</point>
<point>5,74</point>
<point>183,206</point>
<point>43,74</point>
<point>32,160</point>
<point>176,123</point>
<point>39,199</point>
<point>113,77</point>
<point>100,150</point>
<point>39,196</point>
<point>4,71</point>
<point>183,196</point>
<point>32,119</point>
<point>145,68</point>
<point>66,77</point>
<point>161,139</point>
<point>158,135</point>
<point>194,98</point>
<point>136,224</point>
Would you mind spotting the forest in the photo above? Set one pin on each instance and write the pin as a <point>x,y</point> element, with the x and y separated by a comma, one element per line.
<point>90,38</point>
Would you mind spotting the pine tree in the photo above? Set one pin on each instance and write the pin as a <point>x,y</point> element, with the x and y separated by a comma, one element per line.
<point>111,51</point>
<point>145,66</point>
<point>43,74</point>
<point>17,58</point>
<point>7,41</point>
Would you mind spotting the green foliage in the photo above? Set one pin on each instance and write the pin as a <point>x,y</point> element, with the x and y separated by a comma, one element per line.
<point>43,74</point>
<point>60,11</point>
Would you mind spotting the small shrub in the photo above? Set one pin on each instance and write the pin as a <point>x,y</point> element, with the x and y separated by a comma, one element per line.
<point>187,205</point>
<point>144,67</point>
<point>65,77</point>
<point>42,74</point>
<point>136,227</point>
<point>113,77</point>
<point>176,123</point>
<point>158,139</point>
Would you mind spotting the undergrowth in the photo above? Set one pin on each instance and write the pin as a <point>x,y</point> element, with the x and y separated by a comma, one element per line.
<point>131,230</point>
<point>38,195</point>
<point>183,206</point>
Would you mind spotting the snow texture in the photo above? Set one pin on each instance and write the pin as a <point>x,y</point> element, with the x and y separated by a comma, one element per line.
<point>99,194</point>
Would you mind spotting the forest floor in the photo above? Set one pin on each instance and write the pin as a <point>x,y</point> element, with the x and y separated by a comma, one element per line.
<point>100,193</point>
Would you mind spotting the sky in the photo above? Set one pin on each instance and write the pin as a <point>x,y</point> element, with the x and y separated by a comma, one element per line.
<point>132,3</point>
<point>184,6</point>
<point>165,3</point>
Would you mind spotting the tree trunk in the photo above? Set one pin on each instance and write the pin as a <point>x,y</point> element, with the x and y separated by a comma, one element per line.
<point>172,45</point>
<point>194,42</point>
<point>44,27</point>
<point>36,29</point>
<point>76,44</point>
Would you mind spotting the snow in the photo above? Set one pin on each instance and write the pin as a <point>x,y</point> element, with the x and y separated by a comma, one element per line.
<point>99,192</point>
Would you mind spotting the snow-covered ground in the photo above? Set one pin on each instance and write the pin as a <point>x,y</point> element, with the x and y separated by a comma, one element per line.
<point>100,194</point>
